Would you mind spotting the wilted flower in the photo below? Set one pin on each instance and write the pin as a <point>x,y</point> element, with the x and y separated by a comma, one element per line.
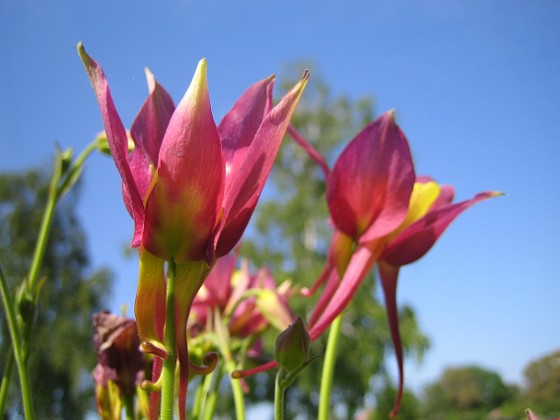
<point>120,367</point>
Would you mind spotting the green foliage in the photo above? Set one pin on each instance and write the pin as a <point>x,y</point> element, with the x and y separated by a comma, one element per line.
<point>469,392</point>
<point>385,400</point>
<point>62,355</point>
<point>291,235</point>
<point>543,384</point>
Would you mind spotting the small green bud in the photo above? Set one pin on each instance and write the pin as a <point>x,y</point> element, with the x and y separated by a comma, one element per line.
<point>292,346</point>
<point>103,143</point>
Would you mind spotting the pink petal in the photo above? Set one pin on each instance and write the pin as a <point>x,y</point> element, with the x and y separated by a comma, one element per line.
<point>239,126</point>
<point>118,141</point>
<point>417,239</point>
<point>249,179</point>
<point>148,130</point>
<point>369,188</point>
<point>360,264</point>
<point>182,208</point>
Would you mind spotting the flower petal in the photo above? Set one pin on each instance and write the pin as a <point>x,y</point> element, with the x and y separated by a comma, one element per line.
<point>147,131</point>
<point>117,139</point>
<point>416,240</point>
<point>249,179</point>
<point>360,264</point>
<point>183,206</point>
<point>149,126</point>
<point>239,126</point>
<point>369,187</point>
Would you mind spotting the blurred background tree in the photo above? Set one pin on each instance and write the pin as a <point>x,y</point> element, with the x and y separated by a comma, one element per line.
<point>467,392</point>
<point>62,355</point>
<point>542,377</point>
<point>290,234</point>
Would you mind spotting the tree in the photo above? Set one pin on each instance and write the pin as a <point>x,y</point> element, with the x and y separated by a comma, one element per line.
<point>62,355</point>
<point>542,378</point>
<point>291,233</point>
<point>465,392</point>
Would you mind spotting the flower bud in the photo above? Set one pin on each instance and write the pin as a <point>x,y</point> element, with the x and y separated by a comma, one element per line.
<point>292,346</point>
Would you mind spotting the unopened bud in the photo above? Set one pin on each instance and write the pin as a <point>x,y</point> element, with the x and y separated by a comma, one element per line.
<point>292,346</point>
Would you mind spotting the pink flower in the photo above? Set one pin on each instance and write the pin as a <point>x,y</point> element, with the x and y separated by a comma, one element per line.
<point>190,185</point>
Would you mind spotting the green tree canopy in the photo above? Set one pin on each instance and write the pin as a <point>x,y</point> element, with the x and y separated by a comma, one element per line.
<point>542,378</point>
<point>465,392</point>
<point>62,355</point>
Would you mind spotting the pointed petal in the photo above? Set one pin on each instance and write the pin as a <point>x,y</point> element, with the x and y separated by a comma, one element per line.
<point>250,177</point>
<point>417,239</point>
<point>117,139</point>
<point>189,278</point>
<point>332,279</point>
<point>182,208</point>
<point>148,129</point>
<point>239,126</point>
<point>369,187</point>
<point>389,276</point>
<point>149,307</point>
<point>360,264</point>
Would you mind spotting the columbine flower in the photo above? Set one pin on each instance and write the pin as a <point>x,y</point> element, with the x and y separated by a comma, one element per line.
<point>381,215</point>
<point>430,212</point>
<point>368,192</point>
<point>189,185</point>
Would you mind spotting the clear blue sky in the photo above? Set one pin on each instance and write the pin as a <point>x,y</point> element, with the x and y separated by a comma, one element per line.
<point>476,88</point>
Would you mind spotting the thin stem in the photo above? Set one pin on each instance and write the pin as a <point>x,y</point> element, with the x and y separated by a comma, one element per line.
<point>212,397</point>
<point>279,396</point>
<point>328,368</point>
<point>15,335</point>
<point>170,363</point>
<point>129,406</point>
<point>6,379</point>
<point>42,239</point>
<point>238,399</point>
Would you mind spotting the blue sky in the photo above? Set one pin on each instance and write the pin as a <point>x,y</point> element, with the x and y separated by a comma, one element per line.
<point>477,92</point>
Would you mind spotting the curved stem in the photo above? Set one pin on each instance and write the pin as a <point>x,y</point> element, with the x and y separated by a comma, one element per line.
<point>15,335</point>
<point>169,340</point>
<point>328,368</point>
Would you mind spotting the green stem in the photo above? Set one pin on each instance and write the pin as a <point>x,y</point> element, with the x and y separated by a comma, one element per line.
<point>15,335</point>
<point>212,397</point>
<point>6,379</point>
<point>279,396</point>
<point>44,230</point>
<point>328,368</point>
<point>169,340</point>
<point>129,406</point>
<point>238,399</point>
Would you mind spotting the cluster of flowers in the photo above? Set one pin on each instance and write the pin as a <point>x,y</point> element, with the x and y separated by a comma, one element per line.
<point>191,187</point>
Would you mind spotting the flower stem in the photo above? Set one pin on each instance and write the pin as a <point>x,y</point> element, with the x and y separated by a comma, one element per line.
<point>279,396</point>
<point>129,406</point>
<point>238,399</point>
<point>6,379</point>
<point>328,368</point>
<point>169,364</point>
<point>15,335</point>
